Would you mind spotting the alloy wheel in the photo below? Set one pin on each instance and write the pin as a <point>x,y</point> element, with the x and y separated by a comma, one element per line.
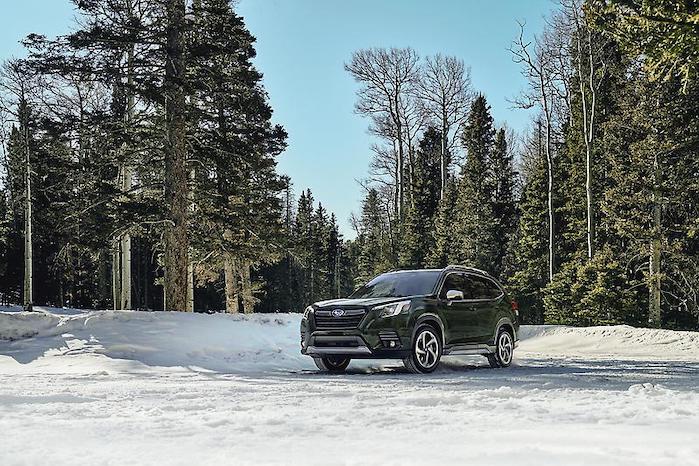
<point>427,349</point>
<point>505,348</point>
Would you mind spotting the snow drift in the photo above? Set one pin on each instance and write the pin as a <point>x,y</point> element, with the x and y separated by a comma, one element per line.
<point>218,342</point>
<point>270,342</point>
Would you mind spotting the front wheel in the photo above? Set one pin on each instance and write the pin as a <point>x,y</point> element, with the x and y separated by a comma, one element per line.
<point>504,349</point>
<point>426,351</point>
<point>332,363</point>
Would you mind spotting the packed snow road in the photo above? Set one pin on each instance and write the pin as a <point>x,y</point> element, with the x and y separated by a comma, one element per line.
<point>161,388</point>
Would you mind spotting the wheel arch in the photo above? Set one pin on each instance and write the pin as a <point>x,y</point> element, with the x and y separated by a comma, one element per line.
<point>507,324</point>
<point>431,319</point>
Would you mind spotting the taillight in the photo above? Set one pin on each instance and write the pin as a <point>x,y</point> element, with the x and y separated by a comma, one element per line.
<point>515,307</point>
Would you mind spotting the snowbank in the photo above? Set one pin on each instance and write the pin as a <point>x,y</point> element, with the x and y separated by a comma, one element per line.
<point>620,341</point>
<point>265,342</point>
<point>219,342</point>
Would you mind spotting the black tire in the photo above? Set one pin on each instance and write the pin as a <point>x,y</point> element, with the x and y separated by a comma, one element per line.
<point>332,363</point>
<point>426,350</point>
<point>504,349</point>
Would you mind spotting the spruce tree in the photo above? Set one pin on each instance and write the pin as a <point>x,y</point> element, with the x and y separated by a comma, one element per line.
<point>418,236</point>
<point>372,244</point>
<point>531,248</point>
<point>473,222</point>
<point>504,180</point>
<point>444,246</point>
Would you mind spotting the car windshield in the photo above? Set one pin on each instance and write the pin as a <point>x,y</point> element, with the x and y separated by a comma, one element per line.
<point>399,284</point>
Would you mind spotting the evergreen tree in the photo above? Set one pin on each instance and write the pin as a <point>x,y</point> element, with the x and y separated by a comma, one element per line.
<point>473,222</point>
<point>651,203</point>
<point>504,205</point>
<point>531,248</point>
<point>444,247</point>
<point>372,258</point>
<point>418,236</point>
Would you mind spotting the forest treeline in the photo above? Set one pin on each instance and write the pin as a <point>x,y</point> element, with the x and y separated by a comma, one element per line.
<point>140,168</point>
<point>590,217</point>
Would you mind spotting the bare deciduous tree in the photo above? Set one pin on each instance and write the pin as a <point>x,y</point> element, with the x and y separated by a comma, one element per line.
<point>388,77</point>
<point>537,61</point>
<point>588,55</point>
<point>445,93</point>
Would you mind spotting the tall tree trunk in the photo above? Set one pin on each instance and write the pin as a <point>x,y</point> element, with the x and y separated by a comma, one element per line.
<point>28,244</point>
<point>588,123</point>
<point>400,158</point>
<point>116,273</point>
<point>248,299</point>
<point>230,271</point>
<point>549,165</point>
<point>125,251</point>
<point>190,287</point>
<point>443,155</point>
<point>175,182</point>
<point>549,160</point>
<point>655,252</point>
<point>125,246</point>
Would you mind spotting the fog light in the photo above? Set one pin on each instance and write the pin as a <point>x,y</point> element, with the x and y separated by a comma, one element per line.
<point>392,344</point>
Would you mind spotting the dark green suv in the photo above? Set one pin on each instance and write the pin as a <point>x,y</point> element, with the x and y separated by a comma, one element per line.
<point>416,316</point>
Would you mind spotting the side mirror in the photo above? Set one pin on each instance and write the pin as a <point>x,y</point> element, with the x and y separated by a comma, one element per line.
<point>453,295</point>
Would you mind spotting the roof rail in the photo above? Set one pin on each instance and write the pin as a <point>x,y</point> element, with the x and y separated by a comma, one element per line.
<point>466,268</point>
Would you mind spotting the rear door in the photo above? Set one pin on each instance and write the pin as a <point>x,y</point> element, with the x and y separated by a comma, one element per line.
<point>459,315</point>
<point>484,296</point>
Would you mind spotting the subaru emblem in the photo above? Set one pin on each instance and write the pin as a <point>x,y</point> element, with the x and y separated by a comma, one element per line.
<point>338,312</point>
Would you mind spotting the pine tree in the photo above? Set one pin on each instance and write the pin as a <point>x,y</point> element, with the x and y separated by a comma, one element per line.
<point>372,258</point>
<point>531,248</point>
<point>504,205</point>
<point>418,236</point>
<point>650,202</point>
<point>444,246</point>
<point>236,187</point>
<point>474,227</point>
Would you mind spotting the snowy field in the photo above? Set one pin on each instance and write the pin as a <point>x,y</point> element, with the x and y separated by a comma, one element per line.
<point>163,388</point>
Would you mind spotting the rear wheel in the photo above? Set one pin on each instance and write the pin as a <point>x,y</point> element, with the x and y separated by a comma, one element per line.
<point>504,349</point>
<point>426,351</point>
<point>332,363</point>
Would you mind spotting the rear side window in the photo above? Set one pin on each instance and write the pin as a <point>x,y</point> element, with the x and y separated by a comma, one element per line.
<point>481,288</point>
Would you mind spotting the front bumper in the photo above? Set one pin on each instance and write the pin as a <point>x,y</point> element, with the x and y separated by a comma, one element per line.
<point>372,339</point>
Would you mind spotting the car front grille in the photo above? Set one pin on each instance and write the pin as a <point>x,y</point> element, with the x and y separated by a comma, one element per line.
<point>350,319</point>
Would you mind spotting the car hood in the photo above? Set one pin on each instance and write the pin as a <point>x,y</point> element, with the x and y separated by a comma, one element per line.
<point>364,302</point>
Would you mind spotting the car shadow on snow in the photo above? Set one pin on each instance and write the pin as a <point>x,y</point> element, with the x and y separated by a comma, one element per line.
<point>540,373</point>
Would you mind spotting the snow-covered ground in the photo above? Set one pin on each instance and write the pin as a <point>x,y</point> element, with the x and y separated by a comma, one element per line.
<point>115,387</point>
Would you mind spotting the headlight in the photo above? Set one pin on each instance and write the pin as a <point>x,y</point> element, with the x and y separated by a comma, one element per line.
<point>393,309</point>
<point>307,312</point>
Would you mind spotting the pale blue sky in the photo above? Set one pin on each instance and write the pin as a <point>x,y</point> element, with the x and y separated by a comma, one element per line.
<point>302,46</point>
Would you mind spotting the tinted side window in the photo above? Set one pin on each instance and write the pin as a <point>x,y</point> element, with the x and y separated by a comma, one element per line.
<point>454,281</point>
<point>481,288</point>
